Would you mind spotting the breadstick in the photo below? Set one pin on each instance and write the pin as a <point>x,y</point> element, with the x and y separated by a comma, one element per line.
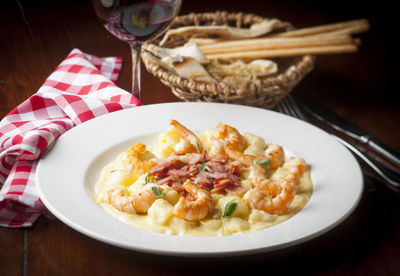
<point>360,23</point>
<point>334,49</point>
<point>272,43</point>
<point>203,41</point>
<point>356,29</point>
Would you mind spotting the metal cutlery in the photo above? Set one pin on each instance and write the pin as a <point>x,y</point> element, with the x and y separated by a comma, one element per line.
<point>351,130</point>
<point>289,106</point>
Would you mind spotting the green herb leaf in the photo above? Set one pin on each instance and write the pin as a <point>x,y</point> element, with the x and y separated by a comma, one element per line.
<point>112,171</point>
<point>203,166</point>
<point>229,208</point>
<point>197,147</point>
<point>262,163</point>
<point>147,179</point>
<point>157,192</point>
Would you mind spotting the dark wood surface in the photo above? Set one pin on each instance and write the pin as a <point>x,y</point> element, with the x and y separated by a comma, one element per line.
<point>35,36</point>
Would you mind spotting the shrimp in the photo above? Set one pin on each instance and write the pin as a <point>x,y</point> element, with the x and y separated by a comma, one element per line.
<point>135,160</point>
<point>275,154</point>
<point>245,159</point>
<point>188,136</point>
<point>136,203</point>
<point>234,139</point>
<point>195,208</point>
<point>235,144</point>
<point>273,196</point>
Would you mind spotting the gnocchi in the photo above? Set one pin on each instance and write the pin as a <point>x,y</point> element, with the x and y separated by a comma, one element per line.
<point>219,183</point>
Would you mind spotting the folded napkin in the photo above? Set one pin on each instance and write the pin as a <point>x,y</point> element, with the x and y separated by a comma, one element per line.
<point>82,87</point>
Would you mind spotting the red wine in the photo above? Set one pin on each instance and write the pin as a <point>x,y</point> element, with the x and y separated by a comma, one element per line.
<point>136,20</point>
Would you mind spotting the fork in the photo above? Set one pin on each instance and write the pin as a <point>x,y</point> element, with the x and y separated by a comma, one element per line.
<point>289,106</point>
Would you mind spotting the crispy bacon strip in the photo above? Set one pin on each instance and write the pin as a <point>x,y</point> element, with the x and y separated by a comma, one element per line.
<point>205,172</point>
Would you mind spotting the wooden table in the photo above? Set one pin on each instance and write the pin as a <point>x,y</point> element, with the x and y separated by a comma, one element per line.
<point>36,36</point>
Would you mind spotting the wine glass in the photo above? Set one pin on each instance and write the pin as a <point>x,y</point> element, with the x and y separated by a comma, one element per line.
<point>135,22</point>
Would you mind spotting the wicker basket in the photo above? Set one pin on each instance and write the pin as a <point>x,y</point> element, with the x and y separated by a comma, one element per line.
<point>266,92</point>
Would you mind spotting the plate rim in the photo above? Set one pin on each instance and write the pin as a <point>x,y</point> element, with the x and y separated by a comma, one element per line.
<point>191,252</point>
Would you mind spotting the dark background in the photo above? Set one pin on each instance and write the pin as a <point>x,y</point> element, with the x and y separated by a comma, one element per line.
<point>36,35</point>
<point>50,29</point>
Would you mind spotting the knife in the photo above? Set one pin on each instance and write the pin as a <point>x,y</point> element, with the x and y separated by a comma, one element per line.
<point>390,176</point>
<point>349,129</point>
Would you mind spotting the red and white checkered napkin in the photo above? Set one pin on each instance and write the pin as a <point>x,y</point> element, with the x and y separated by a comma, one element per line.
<point>81,88</point>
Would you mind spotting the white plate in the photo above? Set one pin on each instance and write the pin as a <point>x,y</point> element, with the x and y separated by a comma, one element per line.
<point>67,174</point>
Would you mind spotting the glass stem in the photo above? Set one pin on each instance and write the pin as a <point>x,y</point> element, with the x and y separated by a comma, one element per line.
<point>135,49</point>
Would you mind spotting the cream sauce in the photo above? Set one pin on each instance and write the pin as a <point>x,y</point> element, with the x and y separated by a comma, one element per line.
<point>160,218</point>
